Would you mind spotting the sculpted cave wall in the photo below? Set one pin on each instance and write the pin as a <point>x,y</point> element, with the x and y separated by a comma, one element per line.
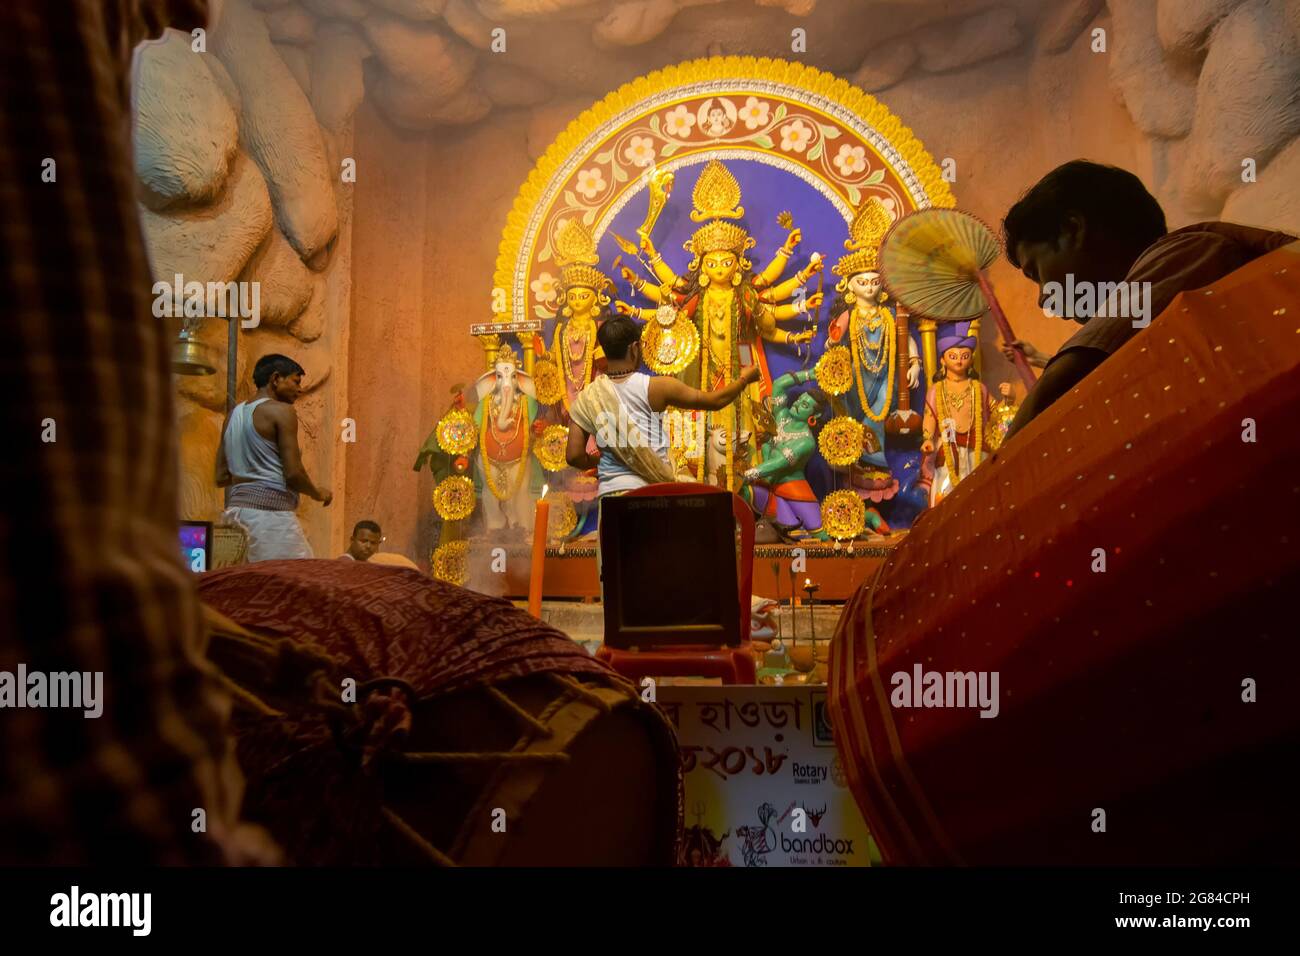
<point>373,284</point>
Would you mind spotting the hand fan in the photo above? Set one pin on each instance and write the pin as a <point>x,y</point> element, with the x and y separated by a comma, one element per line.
<point>933,263</point>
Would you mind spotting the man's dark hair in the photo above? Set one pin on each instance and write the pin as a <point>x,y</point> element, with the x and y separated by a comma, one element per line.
<point>1111,201</point>
<point>617,335</point>
<point>366,526</point>
<point>272,364</point>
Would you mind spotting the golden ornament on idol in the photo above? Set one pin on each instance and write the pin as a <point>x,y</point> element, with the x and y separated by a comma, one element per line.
<point>454,497</point>
<point>457,434</point>
<point>844,516</point>
<point>670,341</point>
<point>840,441</point>
<point>1004,413</point>
<point>563,517</point>
<point>451,562</point>
<point>551,447</point>
<point>548,382</point>
<point>835,370</point>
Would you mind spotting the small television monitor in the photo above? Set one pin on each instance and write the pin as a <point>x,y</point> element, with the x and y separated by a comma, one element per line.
<point>668,566</point>
<point>196,545</point>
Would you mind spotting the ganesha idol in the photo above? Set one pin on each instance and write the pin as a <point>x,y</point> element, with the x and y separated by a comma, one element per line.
<point>508,476</point>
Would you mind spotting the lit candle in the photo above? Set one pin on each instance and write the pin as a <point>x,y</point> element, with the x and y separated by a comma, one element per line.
<point>541,519</point>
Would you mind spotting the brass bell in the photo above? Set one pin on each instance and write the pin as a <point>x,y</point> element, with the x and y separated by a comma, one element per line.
<point>192,357</point>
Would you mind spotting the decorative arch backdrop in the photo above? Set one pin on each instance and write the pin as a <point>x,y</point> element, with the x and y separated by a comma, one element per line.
<point>796,138</point>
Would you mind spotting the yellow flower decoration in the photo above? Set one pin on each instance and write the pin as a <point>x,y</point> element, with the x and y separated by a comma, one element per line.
<point>840,441</point>
<point>457,434</point>
<point>454,497</point>
<point>551,447</point>
<point>548,382</point>
<point>844,516</point>
<point>451,562</point>
<point>835,370</point>
<point>563,518</point>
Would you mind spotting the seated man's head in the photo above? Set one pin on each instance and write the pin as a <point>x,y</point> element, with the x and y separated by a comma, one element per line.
<point>280,375</point>
<point>1081,219</point>
<point>365,540</point>
<point>620,340</point>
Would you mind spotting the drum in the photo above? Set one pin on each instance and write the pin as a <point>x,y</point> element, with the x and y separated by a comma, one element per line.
<point>548,759</point>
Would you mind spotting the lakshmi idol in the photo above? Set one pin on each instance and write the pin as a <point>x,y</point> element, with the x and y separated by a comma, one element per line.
<point>727,303</point>
<point>584,295</point>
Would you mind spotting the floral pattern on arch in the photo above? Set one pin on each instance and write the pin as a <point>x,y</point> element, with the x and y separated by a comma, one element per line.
<point>839,136</point>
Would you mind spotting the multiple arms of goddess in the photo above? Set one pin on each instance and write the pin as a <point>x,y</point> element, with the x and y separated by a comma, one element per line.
<point>772,271</point>
<point>768,313</point>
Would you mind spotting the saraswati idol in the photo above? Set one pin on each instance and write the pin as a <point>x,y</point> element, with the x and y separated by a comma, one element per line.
<point>883,358</point>
<point>729,306</point>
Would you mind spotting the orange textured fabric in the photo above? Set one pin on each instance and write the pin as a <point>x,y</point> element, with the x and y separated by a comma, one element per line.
<point>1119,690</point>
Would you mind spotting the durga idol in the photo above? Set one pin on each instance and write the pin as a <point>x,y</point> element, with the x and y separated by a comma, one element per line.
<point>727,303</point>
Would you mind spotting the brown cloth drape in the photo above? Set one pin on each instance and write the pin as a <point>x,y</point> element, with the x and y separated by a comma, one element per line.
<point>1121,690</point>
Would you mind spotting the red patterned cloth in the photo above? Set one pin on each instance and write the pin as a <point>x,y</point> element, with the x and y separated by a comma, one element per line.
<point>313,779</point>
<point>393,622</point>
<point>1120,690</point>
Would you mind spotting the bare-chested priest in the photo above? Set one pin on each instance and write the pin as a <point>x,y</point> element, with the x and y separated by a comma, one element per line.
<point>623,410</point>
<point>259,456</point>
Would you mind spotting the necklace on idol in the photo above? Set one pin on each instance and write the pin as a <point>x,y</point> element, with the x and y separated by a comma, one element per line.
<point>958,402</point>
<point>574,336</point>
<point>488,416</point>
<point>977,426</point>
<point>884,361</point>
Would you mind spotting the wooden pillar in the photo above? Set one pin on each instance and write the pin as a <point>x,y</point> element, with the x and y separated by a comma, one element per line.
<point>491,345</point>
<point>527,340</point>
<point>929,349</point>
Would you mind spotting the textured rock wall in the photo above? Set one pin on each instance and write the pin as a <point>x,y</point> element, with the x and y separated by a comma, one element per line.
<point>239,182</point>
<point>240,151</point>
